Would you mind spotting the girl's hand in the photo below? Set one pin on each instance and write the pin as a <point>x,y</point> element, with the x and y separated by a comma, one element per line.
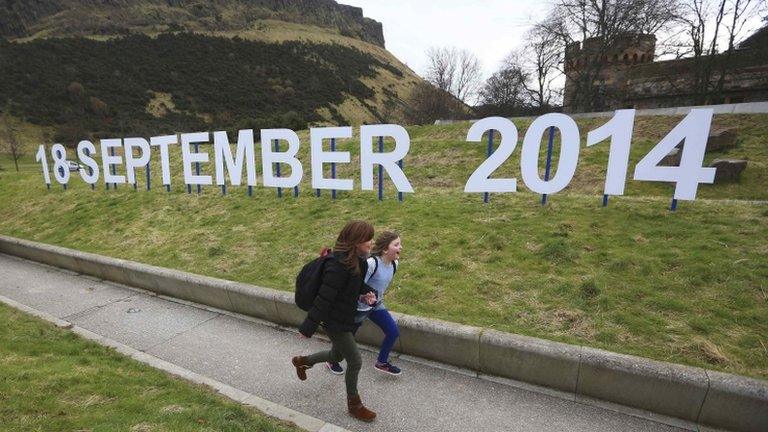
<point>368,298</point>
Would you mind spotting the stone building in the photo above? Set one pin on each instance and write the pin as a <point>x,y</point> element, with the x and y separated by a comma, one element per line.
<point>626,75</point>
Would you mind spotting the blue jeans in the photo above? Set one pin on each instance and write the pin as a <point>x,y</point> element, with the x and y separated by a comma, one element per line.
<point>382,318</point>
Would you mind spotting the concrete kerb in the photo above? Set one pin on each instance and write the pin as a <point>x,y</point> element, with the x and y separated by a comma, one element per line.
<point>255,301</point>
<point>668,389</point>
<point>665,388</point>
<point>432,339</point>
<point>536,361</point>
<point>740,403</point>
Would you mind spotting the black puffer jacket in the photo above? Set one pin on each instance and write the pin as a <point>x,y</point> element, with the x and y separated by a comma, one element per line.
<point>336,302</point>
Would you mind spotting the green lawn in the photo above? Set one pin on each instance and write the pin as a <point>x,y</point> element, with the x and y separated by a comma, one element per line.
<point>52,380</point>
<point>685,286</point>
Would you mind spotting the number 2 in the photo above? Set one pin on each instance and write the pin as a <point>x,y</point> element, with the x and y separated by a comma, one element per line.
<point>479,181</point>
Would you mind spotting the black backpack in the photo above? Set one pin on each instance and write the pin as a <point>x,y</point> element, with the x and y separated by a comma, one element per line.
<point>308,282</point>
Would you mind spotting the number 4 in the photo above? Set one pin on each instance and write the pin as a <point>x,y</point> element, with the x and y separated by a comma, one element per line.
<point>693,131</point>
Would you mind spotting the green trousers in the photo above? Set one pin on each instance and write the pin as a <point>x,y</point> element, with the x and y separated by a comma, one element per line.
<point>343,347</point>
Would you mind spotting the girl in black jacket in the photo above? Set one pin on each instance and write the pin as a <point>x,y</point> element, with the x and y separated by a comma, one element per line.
<point>335,307</point>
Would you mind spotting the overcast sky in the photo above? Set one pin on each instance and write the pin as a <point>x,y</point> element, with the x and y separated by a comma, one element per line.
<point>488,28</point>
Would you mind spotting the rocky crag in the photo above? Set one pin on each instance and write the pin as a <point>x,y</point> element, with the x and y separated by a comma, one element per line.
<point>41,18</point>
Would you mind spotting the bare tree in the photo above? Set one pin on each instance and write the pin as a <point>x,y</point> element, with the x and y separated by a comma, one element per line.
<point>455,71</point>
<point>428,103</point>
<point>541,57</point>
<point>506,92</point>
<point>468,76</point>
<point>607,23</point>
<point>12,142</point>
<point>710,24</point>
<point>441,67</point>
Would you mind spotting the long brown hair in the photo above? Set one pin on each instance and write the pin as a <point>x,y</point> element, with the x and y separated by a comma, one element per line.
<point>383,241</point>
<point>353,233</point>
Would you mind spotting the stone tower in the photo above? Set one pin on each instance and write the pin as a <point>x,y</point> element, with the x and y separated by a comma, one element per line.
<point>609,61</point>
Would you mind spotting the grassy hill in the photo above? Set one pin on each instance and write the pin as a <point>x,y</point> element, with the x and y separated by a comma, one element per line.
<point>685,286</point>
<point>101,87</point>
<point>135,66</point>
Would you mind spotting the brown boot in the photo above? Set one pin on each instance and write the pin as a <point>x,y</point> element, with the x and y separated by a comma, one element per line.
<point>358,410</point>
<point>300,363</point>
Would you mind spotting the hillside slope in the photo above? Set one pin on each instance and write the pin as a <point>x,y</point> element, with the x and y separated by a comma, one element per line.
<point>332,66</point>
<point>42,18</point>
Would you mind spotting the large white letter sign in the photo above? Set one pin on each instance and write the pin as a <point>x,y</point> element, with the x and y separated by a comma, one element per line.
<point>694,131</point>
<point>190,157</point>
<point>163,142</point>
<point>320,157</point>
<point>41,157</point>
<point>132,163</point>
<point>387,160</point>
<point>60,167</point>
<point>88,160</point>
<point>269,157</point>
<point>619,130</point>
<point>479,181</point>
<point>107,160</point>
<point>223,153</point>
<point>569,153</point>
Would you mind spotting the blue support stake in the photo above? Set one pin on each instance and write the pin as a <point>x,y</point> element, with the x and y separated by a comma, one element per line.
<point>277,168</point>
<point>167,188</point>
<point>381,170</point>
<point>674,205</point>
<point>48,185</point>
<point>197,166</point>
<point>135,186</point>
<point>223,189</point>
<point>149,184</point>
<point>333,167</point>
<point>61,171</point>
<point>486,195</point>
<point>90,170</point>
<point>605,200</point>
<point>400,194</point>
<point>189,188</point>
<point>549,160</point>
<point>250,191</point>
<point>112,167</point>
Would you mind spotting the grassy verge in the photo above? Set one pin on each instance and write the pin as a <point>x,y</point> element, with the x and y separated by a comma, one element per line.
<point>54,380</point>
<point>686,286</point>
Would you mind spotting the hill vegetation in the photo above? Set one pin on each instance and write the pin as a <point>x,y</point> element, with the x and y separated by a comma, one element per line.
<point>328,65</point>
<point>57,18</point>
<point>176,82</point>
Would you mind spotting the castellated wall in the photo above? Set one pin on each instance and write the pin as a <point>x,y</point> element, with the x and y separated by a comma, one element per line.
<point>628,76</point>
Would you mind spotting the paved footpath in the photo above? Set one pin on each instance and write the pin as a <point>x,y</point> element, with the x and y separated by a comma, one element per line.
<point>254,356</point>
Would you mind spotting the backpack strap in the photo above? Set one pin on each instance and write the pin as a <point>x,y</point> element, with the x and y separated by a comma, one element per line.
<point>375,266</point>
